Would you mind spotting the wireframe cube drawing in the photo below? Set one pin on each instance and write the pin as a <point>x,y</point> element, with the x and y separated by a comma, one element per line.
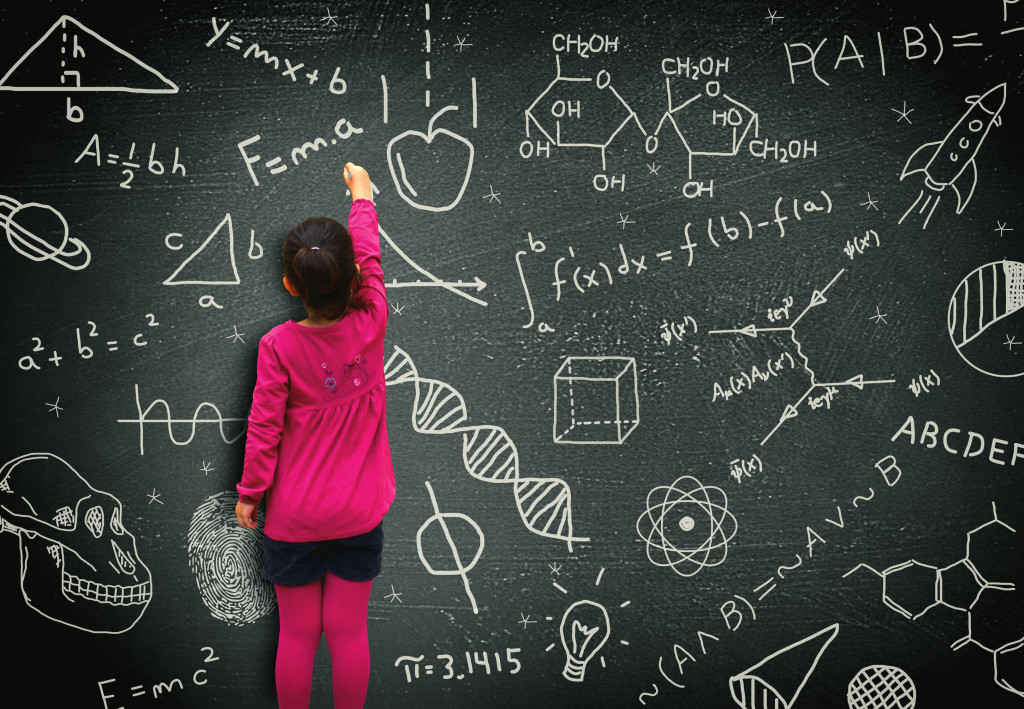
<point>596,400</point>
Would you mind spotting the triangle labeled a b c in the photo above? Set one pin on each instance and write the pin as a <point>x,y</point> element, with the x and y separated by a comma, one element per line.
<point>206,266</point>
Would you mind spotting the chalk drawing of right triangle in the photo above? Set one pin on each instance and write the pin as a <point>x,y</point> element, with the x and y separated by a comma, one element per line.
<point>68,46</point>
<point>182,276</point>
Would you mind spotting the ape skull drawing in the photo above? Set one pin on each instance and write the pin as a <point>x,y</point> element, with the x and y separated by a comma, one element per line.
<point>79,565</point>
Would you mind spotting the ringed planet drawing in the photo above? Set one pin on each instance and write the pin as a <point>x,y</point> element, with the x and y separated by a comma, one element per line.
<point>56,244</point>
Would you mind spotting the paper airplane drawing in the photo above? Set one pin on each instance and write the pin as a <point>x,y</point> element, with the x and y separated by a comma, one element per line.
<point>950,162</point>
<point>71,57</point>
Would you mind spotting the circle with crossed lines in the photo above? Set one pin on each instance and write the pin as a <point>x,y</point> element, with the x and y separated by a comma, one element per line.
<point>881,687</point>
<point>687,526</point>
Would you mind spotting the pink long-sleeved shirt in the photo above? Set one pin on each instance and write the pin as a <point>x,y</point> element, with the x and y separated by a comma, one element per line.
<point>317,443</point>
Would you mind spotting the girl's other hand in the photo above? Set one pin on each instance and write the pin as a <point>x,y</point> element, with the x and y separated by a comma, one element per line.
<point>247,514</point>
<point>358,181</point>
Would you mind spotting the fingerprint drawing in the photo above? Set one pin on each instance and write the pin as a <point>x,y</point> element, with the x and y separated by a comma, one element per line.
<point>41,234</point>
<point>990,295</point>
<point>687,526</point>
<point>459,569</point>
<point>545,504</point>
<point>776,681</point>
<point>227,561</point>
<point>881,687</point>
<point>79,565</point>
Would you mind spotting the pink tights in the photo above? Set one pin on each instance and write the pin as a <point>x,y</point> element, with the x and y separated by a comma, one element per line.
<point>337,608</point>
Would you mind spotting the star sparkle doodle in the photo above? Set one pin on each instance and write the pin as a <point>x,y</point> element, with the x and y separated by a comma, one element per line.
<point>904,114</point>
<point>55,408</point>
<point>493,196</point>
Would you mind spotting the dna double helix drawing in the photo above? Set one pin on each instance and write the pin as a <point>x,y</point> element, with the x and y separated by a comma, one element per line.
<point>545,504</point>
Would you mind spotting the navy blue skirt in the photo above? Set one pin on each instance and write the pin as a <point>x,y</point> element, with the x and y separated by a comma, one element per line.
<point>355,558</point>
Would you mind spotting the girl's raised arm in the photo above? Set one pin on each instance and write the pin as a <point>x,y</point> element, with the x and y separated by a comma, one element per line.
<point>362,225</point>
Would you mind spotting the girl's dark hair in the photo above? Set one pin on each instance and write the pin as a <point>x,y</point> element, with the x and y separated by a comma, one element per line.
<point>320,263</point>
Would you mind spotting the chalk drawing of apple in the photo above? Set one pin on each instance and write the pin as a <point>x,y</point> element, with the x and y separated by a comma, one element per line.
<point>427,167</point>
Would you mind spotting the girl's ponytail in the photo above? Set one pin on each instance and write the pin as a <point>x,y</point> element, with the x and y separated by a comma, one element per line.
<point>320,262</point>
<point>316,270</point>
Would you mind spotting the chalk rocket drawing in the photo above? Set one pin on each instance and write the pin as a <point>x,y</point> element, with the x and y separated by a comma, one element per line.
<point>950,162</point>
<point>227,560</point>
<point>545,504</point>
<point>776,681</point>
<point>79,565</point>
<point>53,63</point>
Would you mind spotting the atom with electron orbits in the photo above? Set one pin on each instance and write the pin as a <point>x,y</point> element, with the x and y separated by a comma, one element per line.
<point>686,526</point>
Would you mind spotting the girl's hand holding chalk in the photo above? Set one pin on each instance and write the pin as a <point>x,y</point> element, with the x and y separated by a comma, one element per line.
<point>358,181</point>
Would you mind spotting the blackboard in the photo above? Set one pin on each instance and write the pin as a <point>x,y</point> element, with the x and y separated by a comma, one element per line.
<point>726,292</point>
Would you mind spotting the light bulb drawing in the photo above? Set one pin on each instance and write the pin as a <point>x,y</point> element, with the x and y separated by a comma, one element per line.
<point>585,629</point>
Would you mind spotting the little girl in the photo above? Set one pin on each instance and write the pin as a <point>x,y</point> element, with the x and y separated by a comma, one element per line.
<point>317,446</point>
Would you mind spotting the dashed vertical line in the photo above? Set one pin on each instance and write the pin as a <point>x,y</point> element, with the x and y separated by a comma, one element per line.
<point>473,81</point>
<point>572,402</point>
<point>384,88</point>
<point>426,32</point>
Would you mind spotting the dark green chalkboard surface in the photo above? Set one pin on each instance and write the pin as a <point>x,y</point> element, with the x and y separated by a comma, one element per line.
<point>704,361</point>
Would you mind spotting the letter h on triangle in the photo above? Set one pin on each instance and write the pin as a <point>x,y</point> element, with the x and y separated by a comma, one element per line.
<point>78,59</point>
